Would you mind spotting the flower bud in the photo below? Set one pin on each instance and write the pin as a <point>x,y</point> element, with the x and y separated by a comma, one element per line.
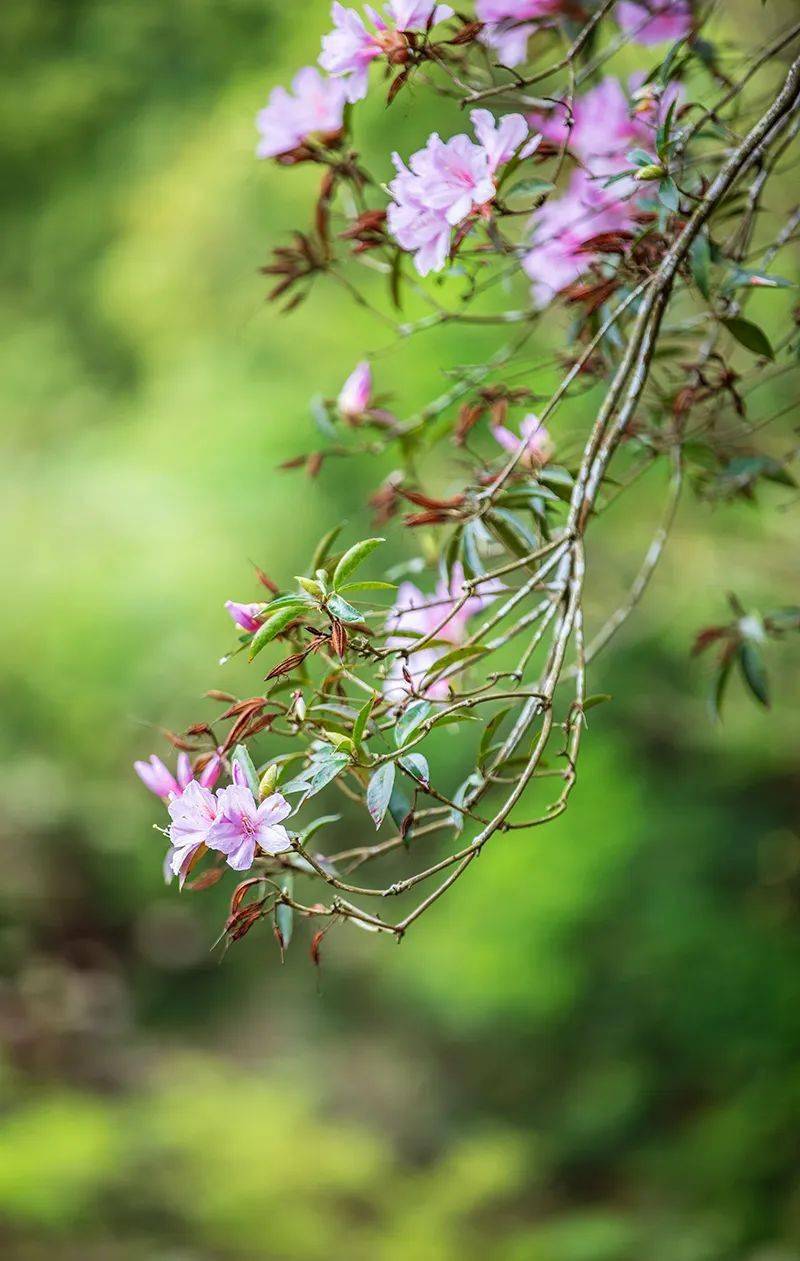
<point>268,782</point>
<point>653,171</point>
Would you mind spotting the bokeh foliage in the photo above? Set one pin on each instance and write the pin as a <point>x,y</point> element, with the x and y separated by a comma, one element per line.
<point>590,1053</point>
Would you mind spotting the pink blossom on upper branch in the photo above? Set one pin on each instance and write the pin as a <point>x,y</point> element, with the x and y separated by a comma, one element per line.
<point>192,814</point>
<point>671,20</point>
<point>241,827</point>
<point>508,29</point>
<point>350,48</point>
<point>356,393</point>
<point>538,443</point>
<point>316,109</point>
<point>245,615</point>
<point>447,181</point>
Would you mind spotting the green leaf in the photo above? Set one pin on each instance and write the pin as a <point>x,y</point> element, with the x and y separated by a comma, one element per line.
<point>400,803</point>
<point>598,699</point>
<point>489,734</point>
<point>379,791</point>
<point>750,335</point>
<point>465,653</point>
<point>284,915</point>
<point>315,825</point>
<point>409,720</point>
<point>511,533</point>
<point>668,194</point>
<point>241,758</point>
<point>360,724</point>
<point>718,690</point>
<point>322,550</point>
<point>417,765</point>
<point>700,262</point>
<point>273,626</point>
<point>344,611</point>
<point>754,673</point>
<point>352,558</point>
<point>322,771</point>
<point>370,585</point>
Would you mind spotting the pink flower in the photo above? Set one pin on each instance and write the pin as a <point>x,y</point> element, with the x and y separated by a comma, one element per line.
<point>538,443</point>
<point>242,827</point>
<point>412,223</point>
<point>355,394</point>
<point>317,108</point>
<point>415,616</point>
<point>245,615</point>
<point>415,15</point>
<point>192,814</point>
<point>504,137</point>
<point>603,128</point>
<point>449,180</point>
<point>507,30</point>
<point>672,19</point>
<point>350,48</point>
<point>155,776</point>
<point>561,229</point>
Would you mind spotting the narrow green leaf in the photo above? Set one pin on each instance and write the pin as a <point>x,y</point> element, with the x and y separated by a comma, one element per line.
<point>598,699</point>
<point>379,790</point>
<point>323,548</point>
<point>284,915</point>
<point>352,558</point>
<point>465,653</point>
<point>409,720</point>
<point>273,626</point>
<point>754,672</point>
<point>360,724</point>
<point>370,585</point>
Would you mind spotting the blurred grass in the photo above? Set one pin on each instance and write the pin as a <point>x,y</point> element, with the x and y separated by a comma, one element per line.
<point>589,1052</point>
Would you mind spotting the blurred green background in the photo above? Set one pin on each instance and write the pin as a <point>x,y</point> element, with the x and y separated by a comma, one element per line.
<point>591,1050</point>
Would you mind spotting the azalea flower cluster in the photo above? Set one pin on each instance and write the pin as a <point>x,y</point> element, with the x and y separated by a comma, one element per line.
<point>450,182</point>
<point>231,821</point>
<point>315,110</point>
<point>509,24</point>
<point>605,125</point>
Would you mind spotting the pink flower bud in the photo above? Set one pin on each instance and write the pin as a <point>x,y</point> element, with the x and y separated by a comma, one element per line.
<point>244,615</point>
<point>354,397</point>
<point>155,776</point>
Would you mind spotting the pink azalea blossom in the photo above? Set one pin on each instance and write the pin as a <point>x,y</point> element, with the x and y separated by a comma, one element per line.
<point>672,19</point>
<point>155,776</point>
<point>603,130</point>
<point>507,28</point>
<point>415,616</point>
<point>192,813</point>
<point>608,122</point>
<point>561,229</point>
<point>504,137</point>
<point>416,15</point>
<point>355,394</point>
<point>350,48</point>
<point>447,181</point>
<point>241,826</point>
<point>538,443</point>
<point>245,615</point>
<point>317,108</point>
